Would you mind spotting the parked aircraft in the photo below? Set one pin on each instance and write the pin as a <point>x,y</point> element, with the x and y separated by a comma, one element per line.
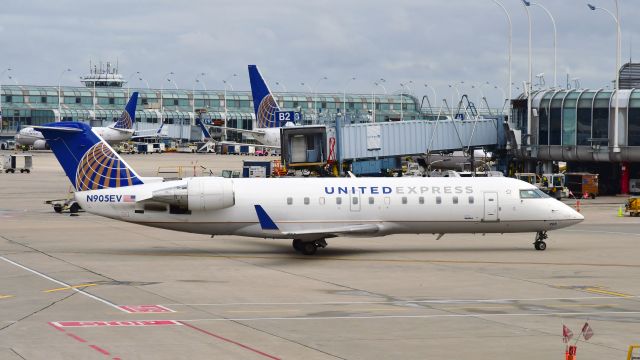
<point>119,131</point>
<point>269,117</point>
<point>306,210</point>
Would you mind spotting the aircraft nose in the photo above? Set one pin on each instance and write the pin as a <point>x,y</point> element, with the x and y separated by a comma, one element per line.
<point>571,214</point>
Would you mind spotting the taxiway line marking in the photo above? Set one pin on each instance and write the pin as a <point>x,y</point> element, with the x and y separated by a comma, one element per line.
<point>69,287</point>
<point>5,296</point>
<point>406,261</point>
<point>401,302</point>
<point>229,341</point>
<point>606,292</point>
<point>432,316</point>
<point>61,283</point>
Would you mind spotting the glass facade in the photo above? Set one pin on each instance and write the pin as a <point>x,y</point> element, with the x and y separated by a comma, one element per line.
<point>37,105</point>
<point>634,119</point>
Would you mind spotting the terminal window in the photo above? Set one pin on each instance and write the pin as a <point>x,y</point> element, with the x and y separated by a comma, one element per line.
<point>112,101</point>
<point>8,98</point>
<point>43,99</point>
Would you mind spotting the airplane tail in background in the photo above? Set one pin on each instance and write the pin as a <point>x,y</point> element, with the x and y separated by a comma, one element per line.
<point>264,104</point>
<point>128,116</point>
<point>205,132</point>
<point>89,162</point>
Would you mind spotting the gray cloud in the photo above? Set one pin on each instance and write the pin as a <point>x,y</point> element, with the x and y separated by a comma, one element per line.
<point>434,41</point>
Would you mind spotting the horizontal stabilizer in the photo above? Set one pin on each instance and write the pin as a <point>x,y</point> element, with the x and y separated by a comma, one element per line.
<point>58,128</point>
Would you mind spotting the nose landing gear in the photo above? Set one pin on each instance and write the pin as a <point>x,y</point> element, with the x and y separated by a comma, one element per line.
<point>539,244</point>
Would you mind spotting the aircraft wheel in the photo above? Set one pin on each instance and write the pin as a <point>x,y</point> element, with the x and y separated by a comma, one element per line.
<point>57,208</point>
<point>309,248</point>
<point>74,208</point>
<point>297,245</point>
<point>540,245</point>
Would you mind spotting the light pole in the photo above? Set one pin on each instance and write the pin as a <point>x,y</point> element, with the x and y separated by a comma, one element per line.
<point>616,18</point>
<point>344,95</point>
<point>226,82</point>
<point>528,90</point>
<point>129,83</point>
<point>193,93</point>
<point>315,95</point>
<point>510,41</point>
<point>403,85</point>
<point>555,37</point>
<point>166,76</point>
<point>435,95</point>
<point>60,94</point>
<point>1,75</point>
<point>373,97</point>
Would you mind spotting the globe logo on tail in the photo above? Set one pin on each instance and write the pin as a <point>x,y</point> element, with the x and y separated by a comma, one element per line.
<point>267,113</point>
<point>101,168</point>
<point>124,122</point>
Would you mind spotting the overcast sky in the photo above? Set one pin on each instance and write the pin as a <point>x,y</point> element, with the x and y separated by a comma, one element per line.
<point>438,42</point>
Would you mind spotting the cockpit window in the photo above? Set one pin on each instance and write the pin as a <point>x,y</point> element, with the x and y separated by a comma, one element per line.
<point>532,194</point>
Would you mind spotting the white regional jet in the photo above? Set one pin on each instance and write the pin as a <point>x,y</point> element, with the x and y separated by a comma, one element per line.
<point>306,210</point>
<point>119,131</point>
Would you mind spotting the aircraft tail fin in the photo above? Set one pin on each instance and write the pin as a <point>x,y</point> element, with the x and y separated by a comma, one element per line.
<point>89,162</point>
<point>264,104</point>
<point>128,116</point>
<point>205,132</point>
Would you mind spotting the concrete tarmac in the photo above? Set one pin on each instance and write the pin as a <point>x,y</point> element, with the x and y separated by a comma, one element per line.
<point>86,287</point>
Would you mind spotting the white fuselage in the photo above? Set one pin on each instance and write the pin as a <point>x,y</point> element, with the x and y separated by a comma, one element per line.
<point>267,136</point>
<point>28,136</point>
<point>391,205</point>
<point>32,137</point>
<point>113,136</point>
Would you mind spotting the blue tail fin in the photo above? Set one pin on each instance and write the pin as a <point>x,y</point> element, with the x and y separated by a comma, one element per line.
<point>128,116</point>
<point>264,104</point>
<point>89,162</point>
<point>205,132</point>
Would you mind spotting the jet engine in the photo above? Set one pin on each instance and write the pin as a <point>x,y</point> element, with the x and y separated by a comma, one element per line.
<point>198,194</point>
<point>40,145</point>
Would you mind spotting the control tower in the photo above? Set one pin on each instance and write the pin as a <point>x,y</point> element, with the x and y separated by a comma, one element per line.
<point>100,77</point>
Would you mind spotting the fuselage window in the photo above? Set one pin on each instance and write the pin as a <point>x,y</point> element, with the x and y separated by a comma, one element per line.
<point>306,201</point>
<point>471,200</point>
<point>387,200</point>
<point>371,200</point>
<point>455,199</point>
<point>354,200</point>
<point>421,200</point>
<point>339,200</point>
<point>438,200</point>
<point>289,201</point>
<point>321,201</point>
<point>404,200</point>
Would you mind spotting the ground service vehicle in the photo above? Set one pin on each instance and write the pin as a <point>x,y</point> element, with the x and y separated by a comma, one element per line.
<point>581,183</point>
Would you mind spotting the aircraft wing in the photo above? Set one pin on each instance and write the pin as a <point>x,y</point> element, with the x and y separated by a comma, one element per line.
<point>58,128</point>
<point>315,233</point>
<point>237,130</point>
<point>125,131</point>
<point>319,233</point>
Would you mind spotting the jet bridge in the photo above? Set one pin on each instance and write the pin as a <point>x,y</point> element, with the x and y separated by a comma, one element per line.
<point>416,137</point>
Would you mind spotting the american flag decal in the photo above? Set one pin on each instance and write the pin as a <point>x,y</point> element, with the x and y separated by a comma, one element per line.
<point>129,198</point>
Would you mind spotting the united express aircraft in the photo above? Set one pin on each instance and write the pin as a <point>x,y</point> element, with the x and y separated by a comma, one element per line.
<point>305,210</point>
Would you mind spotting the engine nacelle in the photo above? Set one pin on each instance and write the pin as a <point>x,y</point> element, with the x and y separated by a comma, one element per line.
<point>40,145</point>
<point>199,194</point>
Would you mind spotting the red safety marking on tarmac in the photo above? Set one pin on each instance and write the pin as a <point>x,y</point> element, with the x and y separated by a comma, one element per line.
<point>75,324</point>
<point>99,349</point>
<point>145,309</point>
<point>230,341</point>
<point>76,337</point>
<point>57,326</point>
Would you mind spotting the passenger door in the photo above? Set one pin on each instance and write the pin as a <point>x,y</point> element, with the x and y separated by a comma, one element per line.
<point>490,206</point>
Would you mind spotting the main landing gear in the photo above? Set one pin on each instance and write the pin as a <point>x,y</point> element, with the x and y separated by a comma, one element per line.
<point>539,244</point>
<point>308,247</point>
